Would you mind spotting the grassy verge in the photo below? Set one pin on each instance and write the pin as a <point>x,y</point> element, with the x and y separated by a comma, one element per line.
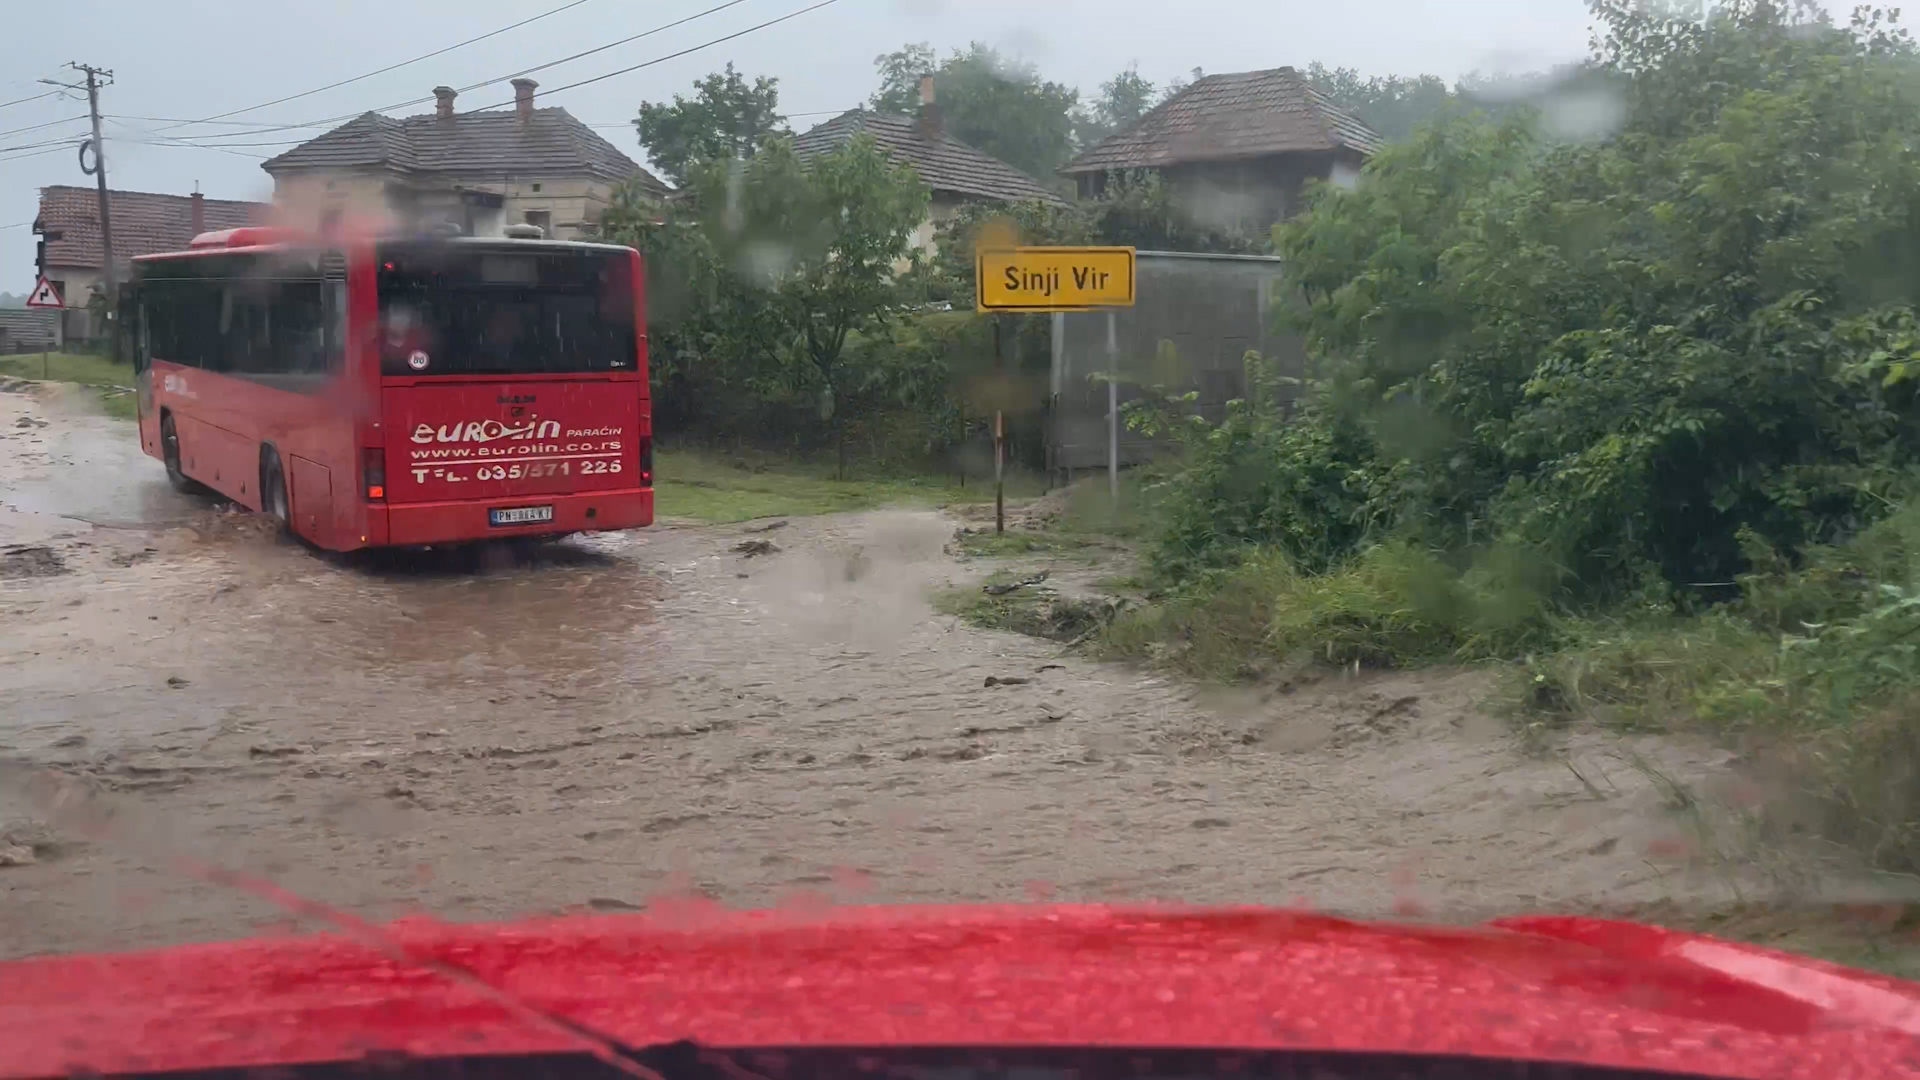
<point>720,489</point>
<point>111,382</point>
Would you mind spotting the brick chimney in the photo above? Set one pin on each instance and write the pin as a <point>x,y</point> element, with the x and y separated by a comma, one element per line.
<point>929,111</point>
<point>197,212</point>
<point>523,98</point>
<point>443,102</point>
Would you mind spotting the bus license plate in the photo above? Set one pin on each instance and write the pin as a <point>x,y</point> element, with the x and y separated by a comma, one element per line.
<point>520,515</point>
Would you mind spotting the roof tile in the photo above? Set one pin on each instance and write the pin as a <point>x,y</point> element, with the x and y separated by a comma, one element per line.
<point>472,144</point>
<point>143,222</point>
<point>1222,117</point>
<point>944,163</point>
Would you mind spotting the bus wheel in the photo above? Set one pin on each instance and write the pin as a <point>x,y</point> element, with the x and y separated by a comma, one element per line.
<point>170,455</point>
<point>273,490</point>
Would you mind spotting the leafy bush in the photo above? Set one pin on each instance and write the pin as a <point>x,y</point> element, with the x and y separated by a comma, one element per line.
<point>1628,354</point>
<point>1391,605</point>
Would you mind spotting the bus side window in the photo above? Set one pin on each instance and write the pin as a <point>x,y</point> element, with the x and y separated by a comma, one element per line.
<point>334,316</point>
<point>297,319</point>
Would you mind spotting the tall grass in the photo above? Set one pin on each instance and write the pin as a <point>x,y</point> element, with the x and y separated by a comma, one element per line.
<point>1392,605</point>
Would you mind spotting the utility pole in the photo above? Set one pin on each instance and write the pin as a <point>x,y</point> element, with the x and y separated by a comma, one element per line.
<point>99,171</point>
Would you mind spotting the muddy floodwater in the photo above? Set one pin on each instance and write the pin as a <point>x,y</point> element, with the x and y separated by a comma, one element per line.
<point>651,715</point>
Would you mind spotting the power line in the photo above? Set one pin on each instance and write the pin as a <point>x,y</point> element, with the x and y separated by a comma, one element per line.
<point>24,100</point>
<point>64,141</point>
<point>159,139</point>
<point>384,70</point>
<point>48,124</point>
<point>35,153</point>
<point>262,124</point>
<point>489,82</point>
<point>682,52</point>
<point>602,48</point>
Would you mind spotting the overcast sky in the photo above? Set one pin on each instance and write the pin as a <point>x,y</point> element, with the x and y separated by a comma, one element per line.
<point>192,59</point>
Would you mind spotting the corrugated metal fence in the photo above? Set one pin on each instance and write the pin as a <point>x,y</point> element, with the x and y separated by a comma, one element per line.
<point>1194,320</point>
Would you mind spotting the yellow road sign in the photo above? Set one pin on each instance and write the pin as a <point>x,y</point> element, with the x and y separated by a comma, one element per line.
<point>1053,278</point>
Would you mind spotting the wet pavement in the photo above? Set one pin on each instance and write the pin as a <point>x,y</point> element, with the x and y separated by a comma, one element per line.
<point>88,468</point>
<point>652,714</point>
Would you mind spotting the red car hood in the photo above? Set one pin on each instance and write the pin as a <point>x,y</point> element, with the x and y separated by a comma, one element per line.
<point>1565,990</point>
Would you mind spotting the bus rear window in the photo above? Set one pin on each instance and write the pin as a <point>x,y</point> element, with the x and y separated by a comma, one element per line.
<point>451,309</point>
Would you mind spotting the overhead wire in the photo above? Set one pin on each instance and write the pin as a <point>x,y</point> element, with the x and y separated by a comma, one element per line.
<point>65,141</point>
<point>32,153</point>
<point>159,139</point>
<point>48,124</point>
<point>677,55</point>
<point>382,71</point>
<point>503,78</point>
<point>24,100</point>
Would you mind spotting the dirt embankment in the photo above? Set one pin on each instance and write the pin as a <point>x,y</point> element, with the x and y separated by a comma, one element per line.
<point>657,713</point>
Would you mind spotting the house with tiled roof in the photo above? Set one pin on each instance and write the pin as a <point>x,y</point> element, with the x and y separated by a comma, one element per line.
<point>1236,149</point>
<point>482,170</point>
<point>955,173</point>
<point>69,252</point>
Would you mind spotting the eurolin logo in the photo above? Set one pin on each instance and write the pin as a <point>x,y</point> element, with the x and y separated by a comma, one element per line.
<point>487,431</point>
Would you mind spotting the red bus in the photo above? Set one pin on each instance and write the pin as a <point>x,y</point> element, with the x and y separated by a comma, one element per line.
<point>388,391</point>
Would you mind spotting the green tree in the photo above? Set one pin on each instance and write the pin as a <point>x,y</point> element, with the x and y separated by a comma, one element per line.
<point>1392,105</point>
<point>770,266</point>
<point>727,117</point>
<point>988,101</point>
<point>1626,354</point>
<point>1123,100</point>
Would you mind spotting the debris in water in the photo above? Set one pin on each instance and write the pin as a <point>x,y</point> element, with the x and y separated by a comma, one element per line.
<point>750,548</point>
<point>1006,680</point>
<point>16,855</point>
<point>176,682</point>
<point>31,560</point>
<point>1002,590</point>
<point>781,524</point>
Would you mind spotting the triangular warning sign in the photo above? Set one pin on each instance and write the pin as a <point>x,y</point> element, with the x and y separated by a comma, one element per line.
<point>45,295</point>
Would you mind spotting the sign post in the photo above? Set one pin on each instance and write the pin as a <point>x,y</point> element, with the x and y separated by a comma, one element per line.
<point>1058,279</point>
<point>44,295</point>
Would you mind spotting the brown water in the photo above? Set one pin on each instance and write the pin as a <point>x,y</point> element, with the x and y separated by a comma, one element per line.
<point>651,713</point>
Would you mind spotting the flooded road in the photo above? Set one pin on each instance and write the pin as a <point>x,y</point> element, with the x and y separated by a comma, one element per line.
<point>648,715</point>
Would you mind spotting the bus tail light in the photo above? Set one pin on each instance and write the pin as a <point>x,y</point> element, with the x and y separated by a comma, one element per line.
<point>373,466</point>
<point>646,461</point>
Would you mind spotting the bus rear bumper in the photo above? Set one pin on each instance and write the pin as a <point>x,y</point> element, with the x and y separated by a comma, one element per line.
<point>412,524</point>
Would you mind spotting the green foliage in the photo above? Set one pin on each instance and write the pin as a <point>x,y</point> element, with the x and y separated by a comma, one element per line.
<point>111,381</point>
<point>764,273</point>
<point>726,118</point>
<point>1813,666</point>
<point>987,100</point>
<point>1392,105</point>
<point>1123,100</point>
<point>1390,605</point>
<point>1626,353</point>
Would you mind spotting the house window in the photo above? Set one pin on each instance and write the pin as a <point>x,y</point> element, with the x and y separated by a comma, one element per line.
<point>536,187</point>
<point>542,218</point>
